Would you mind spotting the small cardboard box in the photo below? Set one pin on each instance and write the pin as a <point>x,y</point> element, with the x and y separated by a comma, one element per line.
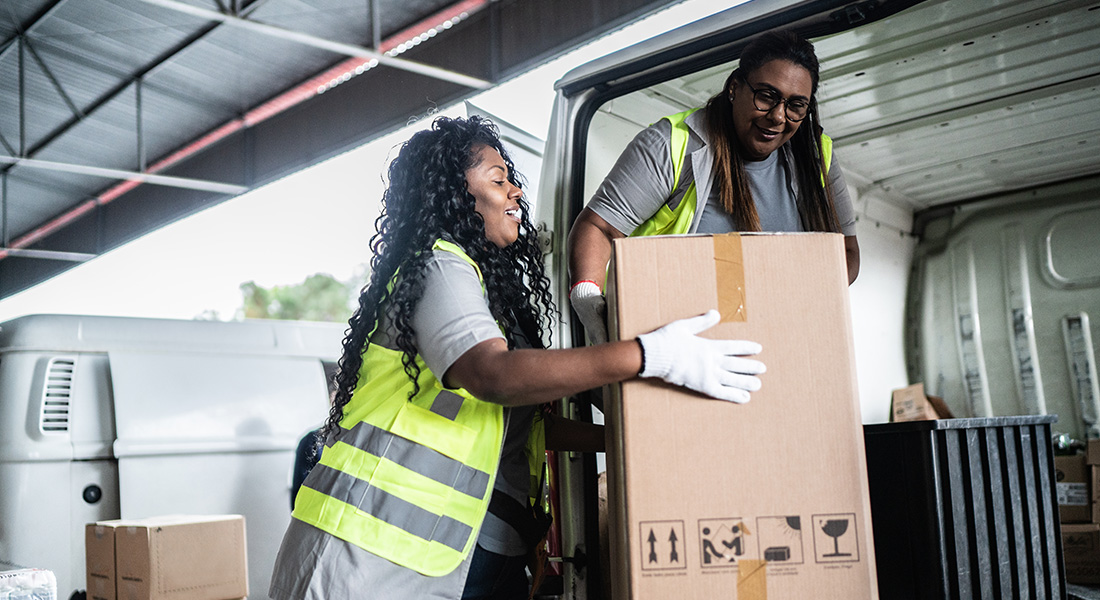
<point>172,557</point>
<point>768,498</point>
<point>912,404</point>
<point>1092,452</point>
<point>1074,495</point>
<point>1081,549</point>
<point>99,560</point>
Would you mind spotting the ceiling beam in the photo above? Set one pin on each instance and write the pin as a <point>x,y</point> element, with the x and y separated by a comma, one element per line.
<point>323,44</point>
<point>35,23</point>
<point>165,180</point>
<point>48,254</point>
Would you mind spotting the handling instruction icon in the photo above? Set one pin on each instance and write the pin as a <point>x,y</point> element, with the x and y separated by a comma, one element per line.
<point>661,544</point>
<point>835,538</point>
<point>723,541</point>
<point>835,528</point>
<point>780,538</point>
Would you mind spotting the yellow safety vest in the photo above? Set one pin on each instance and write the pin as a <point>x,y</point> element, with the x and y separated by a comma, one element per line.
<point>679,217</point>
<point>410,480</point>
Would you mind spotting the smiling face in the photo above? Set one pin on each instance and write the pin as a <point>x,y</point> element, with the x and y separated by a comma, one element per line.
<point>759,132</point>
<point>497,198</point>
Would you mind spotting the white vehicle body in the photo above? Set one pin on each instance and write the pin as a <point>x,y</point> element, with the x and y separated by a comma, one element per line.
<point>106,418</point>
<point>968,133</point>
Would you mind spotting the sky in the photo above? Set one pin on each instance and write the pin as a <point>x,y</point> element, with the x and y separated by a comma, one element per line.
<point>318,220</point>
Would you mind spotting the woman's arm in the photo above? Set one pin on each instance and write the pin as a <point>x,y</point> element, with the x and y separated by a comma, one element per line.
<point>492,372</point>
<point>590,247</point>
<point>674,353</point>
<point>635,188</point>
<point>846,216</point>
<point>589,252</point>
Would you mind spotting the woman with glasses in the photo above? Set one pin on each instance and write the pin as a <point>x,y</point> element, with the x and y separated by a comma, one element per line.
<point>754,158</point>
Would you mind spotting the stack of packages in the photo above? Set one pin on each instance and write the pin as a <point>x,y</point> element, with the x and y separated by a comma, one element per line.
<point>28,584</point>
<point>1078,479</point>
<point>175,557</point>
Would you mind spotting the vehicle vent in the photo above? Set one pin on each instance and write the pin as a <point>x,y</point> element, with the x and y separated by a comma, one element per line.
<point>56,395</point>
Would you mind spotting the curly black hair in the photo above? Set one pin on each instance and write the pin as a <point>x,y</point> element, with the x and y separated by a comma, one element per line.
<point>427,200</point>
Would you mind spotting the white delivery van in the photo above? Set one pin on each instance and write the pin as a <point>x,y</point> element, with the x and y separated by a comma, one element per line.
<point>106,418</point>
<point>969,134</point>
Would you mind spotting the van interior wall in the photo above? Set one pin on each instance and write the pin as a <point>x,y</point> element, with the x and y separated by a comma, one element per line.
<point>1003,294</point>
<point>878,299</point>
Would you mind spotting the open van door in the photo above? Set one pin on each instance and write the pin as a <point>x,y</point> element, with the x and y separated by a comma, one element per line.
<point>968,133</point>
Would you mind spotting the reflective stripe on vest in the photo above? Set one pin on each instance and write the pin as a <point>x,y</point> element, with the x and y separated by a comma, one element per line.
<point>678,213</point>
<point>408,480</point>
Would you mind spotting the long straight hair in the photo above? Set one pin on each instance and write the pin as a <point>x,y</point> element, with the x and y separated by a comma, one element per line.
<point>815,201</point>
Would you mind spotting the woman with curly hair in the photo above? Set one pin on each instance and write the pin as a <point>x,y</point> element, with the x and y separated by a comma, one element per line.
<point>434,447</point>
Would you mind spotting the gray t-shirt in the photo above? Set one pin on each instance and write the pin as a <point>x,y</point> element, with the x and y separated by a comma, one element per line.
<point>451,318</point>
<point>638,185</point>
<point>775,202</point>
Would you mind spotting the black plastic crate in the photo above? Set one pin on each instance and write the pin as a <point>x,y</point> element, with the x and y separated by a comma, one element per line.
<point>965,509</point>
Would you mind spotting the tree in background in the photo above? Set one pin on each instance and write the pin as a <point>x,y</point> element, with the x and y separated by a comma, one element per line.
<point>321,297</point>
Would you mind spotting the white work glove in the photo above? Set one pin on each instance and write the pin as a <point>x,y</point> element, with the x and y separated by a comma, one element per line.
<point>588,301</point>
<point>677,355</point>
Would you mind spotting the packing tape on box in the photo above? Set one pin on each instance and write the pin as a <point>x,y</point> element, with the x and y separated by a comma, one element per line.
<point>752,583</point>
<point>729,274</point>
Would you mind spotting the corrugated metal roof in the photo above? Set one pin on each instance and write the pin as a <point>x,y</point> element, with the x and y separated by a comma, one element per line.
<point>80,79</point>
<point>188,88</point>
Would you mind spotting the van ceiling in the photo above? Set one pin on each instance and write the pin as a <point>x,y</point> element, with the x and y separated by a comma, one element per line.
<point>956,100</point>
<point>120,116</point>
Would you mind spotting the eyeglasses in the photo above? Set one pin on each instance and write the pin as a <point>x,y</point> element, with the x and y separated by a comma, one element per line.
<point>767,99</point>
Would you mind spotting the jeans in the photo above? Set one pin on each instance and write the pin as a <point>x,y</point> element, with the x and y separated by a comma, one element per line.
<point>496,577</point>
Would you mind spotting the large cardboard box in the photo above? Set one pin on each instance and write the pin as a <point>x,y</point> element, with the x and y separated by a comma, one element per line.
<point>1071,476</point>
<point>174,557</point>
<point>1081,549</point>
<point>718,500</point>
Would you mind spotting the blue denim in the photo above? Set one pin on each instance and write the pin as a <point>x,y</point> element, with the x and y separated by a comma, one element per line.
<point>496,577</point>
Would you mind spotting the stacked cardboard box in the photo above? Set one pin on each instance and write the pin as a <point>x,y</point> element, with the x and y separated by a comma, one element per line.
<point>167,558</point>
<point>1079,507</point>
<point>768,499</point>
<point>912,404</point>
<point>1074,493</point>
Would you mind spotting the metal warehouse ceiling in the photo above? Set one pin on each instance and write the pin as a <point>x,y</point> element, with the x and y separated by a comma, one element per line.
<point>120,116</point>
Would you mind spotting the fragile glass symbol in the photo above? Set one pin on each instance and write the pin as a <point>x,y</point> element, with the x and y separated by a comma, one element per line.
<point>835,528</point>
